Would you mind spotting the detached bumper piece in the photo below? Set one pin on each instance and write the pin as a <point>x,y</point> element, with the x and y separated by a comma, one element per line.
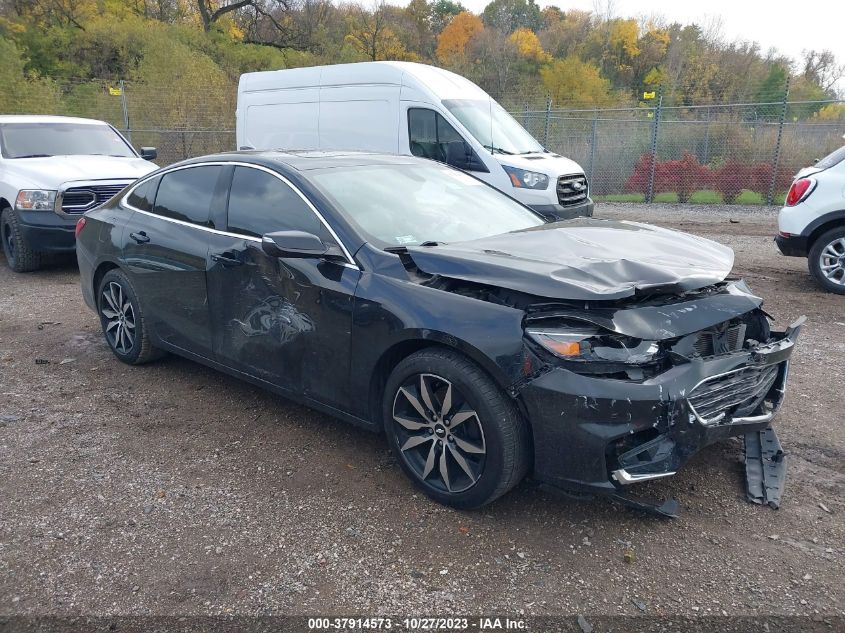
<point>765,467</point>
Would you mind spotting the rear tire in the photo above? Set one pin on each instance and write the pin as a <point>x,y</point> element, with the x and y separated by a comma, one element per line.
<point>826,260</point>
<point>454,432</point>
<point>20,257</point>
<point>122,319</point>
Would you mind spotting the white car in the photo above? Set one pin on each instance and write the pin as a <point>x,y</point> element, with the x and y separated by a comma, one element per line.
<point>408,109</point>
<point>52,170</point>
<point>812,224</point>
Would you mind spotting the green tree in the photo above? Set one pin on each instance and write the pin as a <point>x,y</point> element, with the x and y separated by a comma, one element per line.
<point>573,81</point>
<point>509,15</point>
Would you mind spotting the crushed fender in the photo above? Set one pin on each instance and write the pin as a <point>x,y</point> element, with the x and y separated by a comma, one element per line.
<point>765,467</point>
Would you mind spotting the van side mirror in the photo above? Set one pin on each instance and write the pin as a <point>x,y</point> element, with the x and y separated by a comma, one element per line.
<point>459,154</point>
<point>293,244</point>
<point>149,153</point>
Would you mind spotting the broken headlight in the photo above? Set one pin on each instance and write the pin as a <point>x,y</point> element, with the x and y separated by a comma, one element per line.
<point>593,344</point>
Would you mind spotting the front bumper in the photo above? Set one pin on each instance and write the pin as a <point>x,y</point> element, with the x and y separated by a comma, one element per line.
<point>597,435</point>
<point>556,212</point>
<point>47,231</point>
<point>792,245</point>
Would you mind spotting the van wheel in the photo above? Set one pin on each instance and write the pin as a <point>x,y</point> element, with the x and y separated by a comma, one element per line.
<point>454,432</point>
<point>20,257</point>
<point>827,260</point>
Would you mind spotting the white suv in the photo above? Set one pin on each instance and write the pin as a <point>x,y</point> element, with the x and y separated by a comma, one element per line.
<point>812,224</point>
<point>52,170</point>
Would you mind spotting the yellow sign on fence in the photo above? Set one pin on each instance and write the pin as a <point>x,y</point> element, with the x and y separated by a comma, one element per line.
<point>115,92</point>
<point>649,95</point>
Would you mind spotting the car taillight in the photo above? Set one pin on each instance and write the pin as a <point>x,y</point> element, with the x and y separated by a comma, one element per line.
<point>799,191</point>
<point>80,224</point>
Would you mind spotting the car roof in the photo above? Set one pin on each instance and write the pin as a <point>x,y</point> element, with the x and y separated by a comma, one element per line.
<point>43,118</point>
<point>309,160</point>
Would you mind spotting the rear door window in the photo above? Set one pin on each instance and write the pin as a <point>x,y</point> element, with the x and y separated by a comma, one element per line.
<point>260,203</point>
<point>188,194</point>
<point>143,196</point>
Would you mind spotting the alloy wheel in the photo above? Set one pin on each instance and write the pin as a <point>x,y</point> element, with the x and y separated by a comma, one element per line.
<point>832,261</point>
<point>439,434</point>
<point>119,316</point>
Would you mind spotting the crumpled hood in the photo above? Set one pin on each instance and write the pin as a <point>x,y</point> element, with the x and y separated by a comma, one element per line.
<point>51,172</point>
<point>582,259</point>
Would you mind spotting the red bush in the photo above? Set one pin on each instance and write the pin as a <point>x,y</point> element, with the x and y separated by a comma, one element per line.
<point>731,178</point>
<point>761,178</point>
<point>683,176</point>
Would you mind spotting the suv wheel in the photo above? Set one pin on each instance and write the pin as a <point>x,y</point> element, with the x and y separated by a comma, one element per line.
<point>455,433</point>
<point>20,257</point>
<point>827,260</point>
<point>123,322</point>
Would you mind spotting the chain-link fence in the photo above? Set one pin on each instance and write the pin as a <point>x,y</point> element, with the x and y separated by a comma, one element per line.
<point>704,153</point>
<point>714,153</point>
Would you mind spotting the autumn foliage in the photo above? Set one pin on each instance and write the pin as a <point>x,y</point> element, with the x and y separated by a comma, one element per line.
<point>453,40</point>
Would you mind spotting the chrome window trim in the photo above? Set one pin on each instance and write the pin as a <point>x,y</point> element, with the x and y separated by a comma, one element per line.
<point>350,263</point>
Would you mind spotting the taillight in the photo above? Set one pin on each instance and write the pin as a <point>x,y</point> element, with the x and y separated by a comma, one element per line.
<point>80,224</point>
<point>799,191</point>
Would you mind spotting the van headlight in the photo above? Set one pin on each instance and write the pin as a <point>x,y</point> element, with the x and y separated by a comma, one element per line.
<point>35,200</point>
<point>523,179</point>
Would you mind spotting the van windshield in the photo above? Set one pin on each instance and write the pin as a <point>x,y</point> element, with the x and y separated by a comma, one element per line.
<point>35,140</point>
<point>492,126</point>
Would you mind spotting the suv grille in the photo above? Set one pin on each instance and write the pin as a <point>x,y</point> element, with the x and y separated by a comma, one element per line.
<point>571,189</point>
<point>717,397</point>
<point>86,197</point>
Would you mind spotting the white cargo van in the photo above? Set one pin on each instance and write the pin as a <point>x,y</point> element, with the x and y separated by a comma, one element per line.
<point>407,108</point>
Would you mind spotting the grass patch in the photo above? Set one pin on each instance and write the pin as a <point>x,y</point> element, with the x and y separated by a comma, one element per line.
<point>620,197</point>
<point>706,196</point>
<point>666,196</point>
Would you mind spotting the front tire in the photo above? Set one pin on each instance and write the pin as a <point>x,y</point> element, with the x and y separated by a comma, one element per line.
<point>827,260</point>
<point>122,319</point>
<point>454,432</point>
<point>19,255</point>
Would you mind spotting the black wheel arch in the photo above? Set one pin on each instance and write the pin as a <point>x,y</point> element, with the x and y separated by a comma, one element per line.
<point>822,225</point>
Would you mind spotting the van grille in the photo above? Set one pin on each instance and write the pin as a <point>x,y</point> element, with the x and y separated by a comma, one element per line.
<point>571,189</point>
<point>77,200</point>
<point>716,397</point>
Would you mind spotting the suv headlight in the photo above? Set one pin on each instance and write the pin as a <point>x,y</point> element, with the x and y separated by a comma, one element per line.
<point>592,344</point>
<point>35,200</point>
<point>523,179</point>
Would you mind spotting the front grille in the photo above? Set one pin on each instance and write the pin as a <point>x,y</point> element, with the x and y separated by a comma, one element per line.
<point>571,189</point>
<point>86,197</point>
<point>714,343</point>
<point>739,391</point>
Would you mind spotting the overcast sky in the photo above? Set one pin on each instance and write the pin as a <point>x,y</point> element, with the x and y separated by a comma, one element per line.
<point>789,26</point>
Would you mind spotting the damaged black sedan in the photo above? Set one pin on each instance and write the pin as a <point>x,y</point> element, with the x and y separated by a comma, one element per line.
<point>409,297</point>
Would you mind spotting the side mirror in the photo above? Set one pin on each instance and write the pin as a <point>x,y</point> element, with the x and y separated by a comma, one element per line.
<point>293,244</point>
<point>149,153</point>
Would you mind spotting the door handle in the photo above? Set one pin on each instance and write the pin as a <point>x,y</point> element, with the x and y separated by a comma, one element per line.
<point>140,237</point>
<point>227,259</point>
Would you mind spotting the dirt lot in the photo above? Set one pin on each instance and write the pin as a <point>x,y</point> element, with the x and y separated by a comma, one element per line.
<point>173,489</point>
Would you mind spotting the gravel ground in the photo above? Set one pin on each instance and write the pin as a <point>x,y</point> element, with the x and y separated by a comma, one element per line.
<point>173,489</point>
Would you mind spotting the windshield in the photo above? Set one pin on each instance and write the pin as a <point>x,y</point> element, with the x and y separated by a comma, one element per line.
<point>834,158</point>
<point>492,126</point>
<point>32,140</point>
<point>409,205</point>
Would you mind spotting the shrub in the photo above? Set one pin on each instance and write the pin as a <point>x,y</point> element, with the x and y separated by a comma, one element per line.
<point>731,178</point>
<point>683,177</point>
